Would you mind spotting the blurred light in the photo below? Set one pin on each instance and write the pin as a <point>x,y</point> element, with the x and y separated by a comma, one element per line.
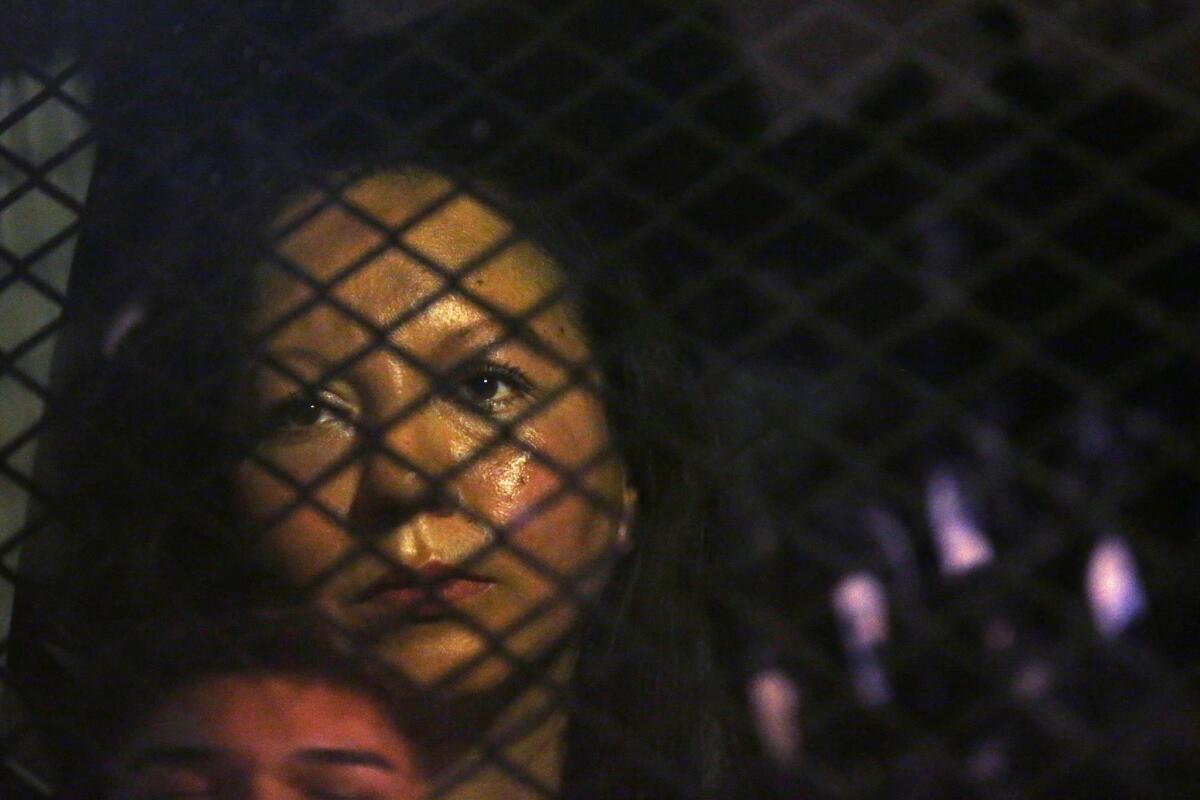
<point>860,603</point>
<point>775,703</point>
<point>1114,590</point>
<point>861,606</point>
<point>128,318</point>
<point>961,544</point>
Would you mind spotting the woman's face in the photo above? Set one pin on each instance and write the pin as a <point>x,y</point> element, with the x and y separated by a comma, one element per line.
<point>429,473</point>
<point>267,737</point>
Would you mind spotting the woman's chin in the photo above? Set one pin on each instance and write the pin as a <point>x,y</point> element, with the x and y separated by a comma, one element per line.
<point>450,658</point>
<point>443,656</point>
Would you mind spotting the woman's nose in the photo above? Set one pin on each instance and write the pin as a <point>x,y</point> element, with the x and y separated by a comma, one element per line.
<point>402,474</point>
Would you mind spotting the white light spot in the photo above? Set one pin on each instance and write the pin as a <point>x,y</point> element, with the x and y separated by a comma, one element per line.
<point>1114,590</point>
<point>860,603</point>
<point>861,606</point>
<point>961,544</point>
<point>775,701</point>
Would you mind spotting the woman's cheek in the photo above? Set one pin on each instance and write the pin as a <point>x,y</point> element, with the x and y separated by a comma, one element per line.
<point>569,480</point>
<point>298,535</point>
<point>560,526</point>
<point>495,488</point>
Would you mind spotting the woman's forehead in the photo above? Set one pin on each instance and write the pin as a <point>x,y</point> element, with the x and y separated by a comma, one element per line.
<point>442,235</point>
<point>432,219</point>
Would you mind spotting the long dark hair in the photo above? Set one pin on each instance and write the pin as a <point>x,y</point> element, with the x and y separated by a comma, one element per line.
<point>650,712</point>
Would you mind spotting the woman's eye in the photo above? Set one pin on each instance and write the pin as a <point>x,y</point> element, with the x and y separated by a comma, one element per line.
<point>303,411</point>
<point>489,387</point>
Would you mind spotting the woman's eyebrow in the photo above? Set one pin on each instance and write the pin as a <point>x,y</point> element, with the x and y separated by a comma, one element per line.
<point>486,327</point>
<point>344,757</point>
<point>292,353</point>
<point>483,334</point>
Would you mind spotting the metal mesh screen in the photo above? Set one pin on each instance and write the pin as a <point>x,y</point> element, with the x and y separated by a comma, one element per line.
<point>626,399</point>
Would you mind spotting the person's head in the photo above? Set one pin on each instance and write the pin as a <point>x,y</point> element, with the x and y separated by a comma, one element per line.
<point>266,736</point>
<point>430,457</point>
<point>476,450</point>
<point>276,706</point>
<point>409,366</point>
<point>472,450</point>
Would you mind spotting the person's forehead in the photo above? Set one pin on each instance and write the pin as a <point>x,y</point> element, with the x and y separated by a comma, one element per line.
<point>254,710</point>
<point>442,232</point>
<point>435,221</point>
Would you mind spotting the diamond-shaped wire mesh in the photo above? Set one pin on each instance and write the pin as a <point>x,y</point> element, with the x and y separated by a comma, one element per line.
<point>591,399</point>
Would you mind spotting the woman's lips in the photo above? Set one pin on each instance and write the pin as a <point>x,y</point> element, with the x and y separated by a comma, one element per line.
<point>423,594</point>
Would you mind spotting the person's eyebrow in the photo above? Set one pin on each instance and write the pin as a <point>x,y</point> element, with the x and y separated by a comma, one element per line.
<point>344,757</point>
<point>292,353</point>
<point>173,756</point>
<point>483,328</point>
<point>475,338</point>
